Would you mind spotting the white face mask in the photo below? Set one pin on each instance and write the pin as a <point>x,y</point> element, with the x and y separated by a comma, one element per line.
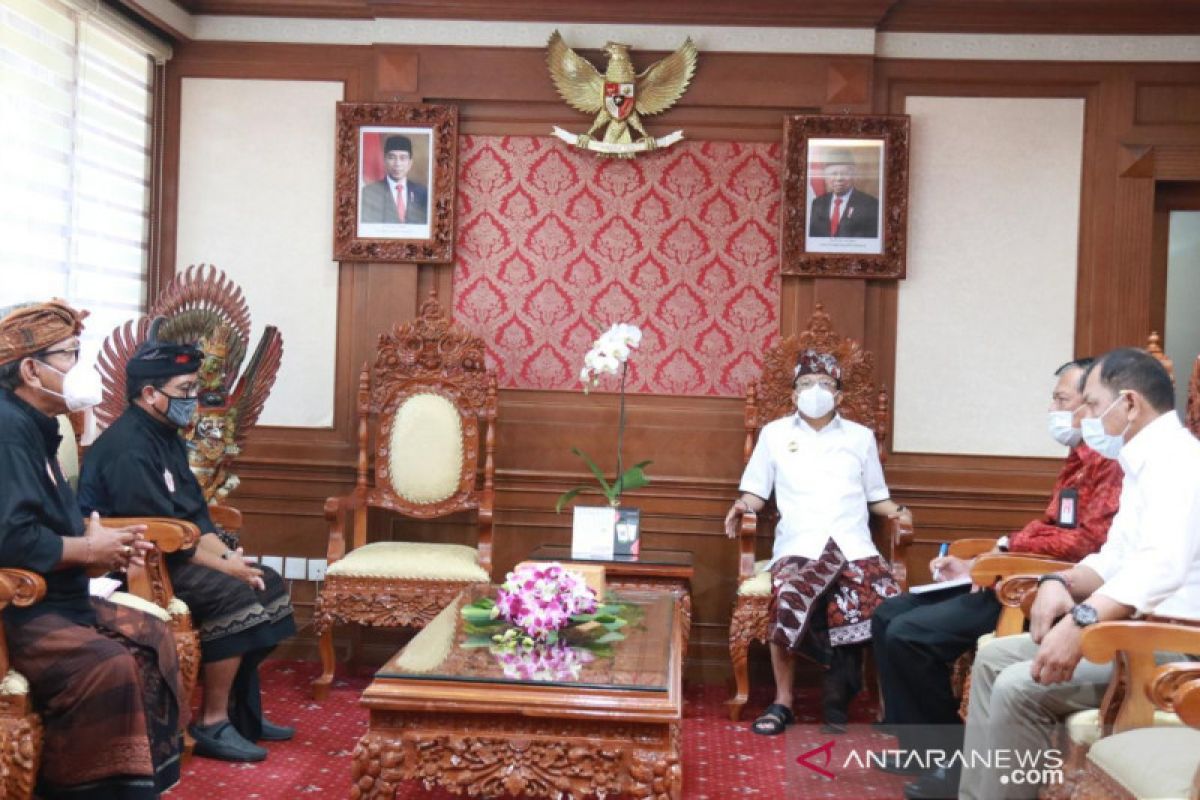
<point>815,401</point>
<point>82,387</point>
<point>1106,444</point>
<point>1062,430</point>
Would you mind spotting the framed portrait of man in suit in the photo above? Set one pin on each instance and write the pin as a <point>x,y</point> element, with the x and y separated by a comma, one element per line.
<point>845,196</point>
<point>396,166</point>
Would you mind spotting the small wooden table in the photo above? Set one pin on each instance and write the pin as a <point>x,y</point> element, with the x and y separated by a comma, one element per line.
<point>477,723</point>
<point>650,569</point>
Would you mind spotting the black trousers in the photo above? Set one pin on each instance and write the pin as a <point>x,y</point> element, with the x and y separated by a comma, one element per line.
<point>917,639</point>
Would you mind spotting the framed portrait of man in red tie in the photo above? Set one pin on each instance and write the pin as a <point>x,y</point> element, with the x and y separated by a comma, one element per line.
<point>845,193</point>
<point>395,182</point>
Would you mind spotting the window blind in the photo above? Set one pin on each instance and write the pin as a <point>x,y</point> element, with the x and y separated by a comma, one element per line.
<point>77,96</point>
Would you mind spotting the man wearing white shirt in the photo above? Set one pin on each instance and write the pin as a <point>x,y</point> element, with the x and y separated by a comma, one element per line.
<point>395,199</point>
<point>827,576</point>
<point>1022,686</point>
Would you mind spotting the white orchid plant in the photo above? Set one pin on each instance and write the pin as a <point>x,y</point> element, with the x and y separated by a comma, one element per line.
<point>610,356</point>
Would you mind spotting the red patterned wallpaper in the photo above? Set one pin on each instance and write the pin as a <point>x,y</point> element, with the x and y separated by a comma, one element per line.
<point>554,245</point>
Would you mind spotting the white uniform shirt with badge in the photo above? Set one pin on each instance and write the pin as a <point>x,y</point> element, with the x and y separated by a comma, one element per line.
<point>823,481</point>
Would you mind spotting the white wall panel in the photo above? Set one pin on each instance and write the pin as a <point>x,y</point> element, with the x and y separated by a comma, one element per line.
<point>988,309</point>
<point>256,199</point>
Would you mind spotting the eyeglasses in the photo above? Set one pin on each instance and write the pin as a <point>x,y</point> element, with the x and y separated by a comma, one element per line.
<point>73,352</point>
<point>824,384</point>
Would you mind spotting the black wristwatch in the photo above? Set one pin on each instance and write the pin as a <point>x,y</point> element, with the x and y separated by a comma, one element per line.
<point>1084,615</point>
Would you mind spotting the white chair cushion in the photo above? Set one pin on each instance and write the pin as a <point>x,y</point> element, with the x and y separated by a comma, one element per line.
<point>1150,763</point>
<point>143,605</point>
<point>760,584</point>
<point>14,683</point>
<point>426,455</point>
<point>1083,727</point>
<point>178,608</point>
<point>411,561</point>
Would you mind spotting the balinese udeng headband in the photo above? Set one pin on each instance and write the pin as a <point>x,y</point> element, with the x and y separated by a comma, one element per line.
<point>30,329</point>
<point>811,362</point>
<point>157,359</point>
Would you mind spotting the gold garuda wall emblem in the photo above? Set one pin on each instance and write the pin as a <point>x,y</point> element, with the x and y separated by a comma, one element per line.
<point>619,96</point>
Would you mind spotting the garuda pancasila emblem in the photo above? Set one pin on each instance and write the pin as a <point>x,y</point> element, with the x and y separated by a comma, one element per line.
<point>619,96</point>
<point>204,306</point>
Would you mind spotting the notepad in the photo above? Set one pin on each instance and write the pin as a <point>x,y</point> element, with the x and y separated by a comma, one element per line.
<point>926,588</point>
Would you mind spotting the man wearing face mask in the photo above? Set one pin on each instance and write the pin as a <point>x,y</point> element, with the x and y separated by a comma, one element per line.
<point>1022,686</point>
<point>105,677</point>
<point>917,637</point>
<point>139,467</point>
<point>826,574</point>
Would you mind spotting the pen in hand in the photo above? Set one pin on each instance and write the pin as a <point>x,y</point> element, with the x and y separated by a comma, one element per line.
<point>942,551</point>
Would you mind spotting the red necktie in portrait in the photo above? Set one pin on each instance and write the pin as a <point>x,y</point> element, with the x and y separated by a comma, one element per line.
<point>836,216</point>
<point>400,205</point>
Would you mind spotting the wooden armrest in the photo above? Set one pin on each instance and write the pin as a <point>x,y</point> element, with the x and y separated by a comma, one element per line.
<point>747,533</point>
<point>899,536</point>
<point>20,587</point>
<point>1171,686</point>
<point>335,508</point>
<point>993,567</point>
<point>967,549</point>
<point>226,517</point>
<point>169,535</point>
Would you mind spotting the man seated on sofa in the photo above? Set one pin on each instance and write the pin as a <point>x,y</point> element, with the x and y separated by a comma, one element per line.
<point>139,467</point>
<point>105,677</point>
<point>825,473</point>
<point>917,637</point>
<point>1022,686</point>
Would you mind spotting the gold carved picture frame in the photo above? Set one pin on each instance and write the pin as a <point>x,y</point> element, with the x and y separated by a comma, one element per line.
<point>845,196</point>
<point>394,197</point>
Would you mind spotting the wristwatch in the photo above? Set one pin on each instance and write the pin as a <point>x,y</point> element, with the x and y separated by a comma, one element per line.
<point>1084,615</point>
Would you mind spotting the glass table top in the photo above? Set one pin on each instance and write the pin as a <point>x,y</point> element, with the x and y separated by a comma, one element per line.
<point>562,552</point>
<point>451,648</point>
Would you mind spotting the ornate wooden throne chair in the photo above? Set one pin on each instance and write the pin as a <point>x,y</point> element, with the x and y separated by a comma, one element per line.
<point>434,404</point>
<point>768,399</point>
<point>149,591</point>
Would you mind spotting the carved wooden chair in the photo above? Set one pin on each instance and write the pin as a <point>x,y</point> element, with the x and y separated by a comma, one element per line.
<point>1139,755</point>
<point>768,399</point>
<point>434,403</point>
<point>990,570</point>
<point>149,591</point>
<point>1083,728</point>
<point>20,725</point>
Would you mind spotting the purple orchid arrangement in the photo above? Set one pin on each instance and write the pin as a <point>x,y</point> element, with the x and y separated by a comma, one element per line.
<point>540,600</point>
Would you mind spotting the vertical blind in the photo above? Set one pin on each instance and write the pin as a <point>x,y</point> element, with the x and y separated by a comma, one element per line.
<point>77,96</point>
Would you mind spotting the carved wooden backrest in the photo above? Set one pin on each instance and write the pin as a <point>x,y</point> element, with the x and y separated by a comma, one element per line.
<point>433,368</point>
<point>770,397</point>
<point>1154,348</point>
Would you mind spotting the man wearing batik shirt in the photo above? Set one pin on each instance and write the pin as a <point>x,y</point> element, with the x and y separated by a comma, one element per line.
<point>105,677</point>
<point>916,637</point>
<point>827,577</point>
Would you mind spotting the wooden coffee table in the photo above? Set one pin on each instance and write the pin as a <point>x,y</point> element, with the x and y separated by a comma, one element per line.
<point>463,719</point>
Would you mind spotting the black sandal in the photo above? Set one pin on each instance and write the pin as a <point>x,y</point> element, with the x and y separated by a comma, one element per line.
<point>774,720</point>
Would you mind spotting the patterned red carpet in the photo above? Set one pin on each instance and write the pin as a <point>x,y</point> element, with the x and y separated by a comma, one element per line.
<point>721,760</point>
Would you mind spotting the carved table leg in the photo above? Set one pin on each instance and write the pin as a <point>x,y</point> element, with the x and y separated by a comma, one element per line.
<point>372,757</point>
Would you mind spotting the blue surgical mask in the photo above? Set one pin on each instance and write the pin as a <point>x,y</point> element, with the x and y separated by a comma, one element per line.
<point>1062,428</point>
<point>1094,436</point>
<point>180,410</point>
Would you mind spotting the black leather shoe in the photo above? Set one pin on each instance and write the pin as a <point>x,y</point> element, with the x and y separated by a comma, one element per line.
<point>940,784</point>
<point>898,764</point>
<point>222,742</point>
<point>275,733</point>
